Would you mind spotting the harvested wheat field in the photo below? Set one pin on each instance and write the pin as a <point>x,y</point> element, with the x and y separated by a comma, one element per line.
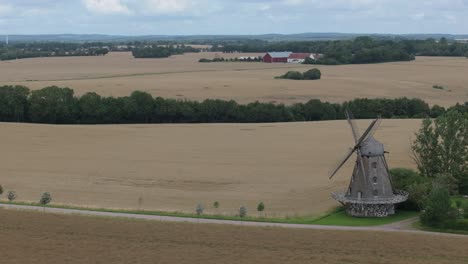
<point>118,74</point>
<point>29,237</point>
<point>175,167</point>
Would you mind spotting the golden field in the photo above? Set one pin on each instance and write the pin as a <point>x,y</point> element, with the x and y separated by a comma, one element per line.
<point>29,237</point>
<point>118,74</point>
<point>175,167</point>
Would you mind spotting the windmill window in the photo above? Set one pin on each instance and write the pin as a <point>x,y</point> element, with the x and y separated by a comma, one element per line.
<point>374,165</point>
<point>359,195</point>
<point>376,192</point>
<point>374,179</point>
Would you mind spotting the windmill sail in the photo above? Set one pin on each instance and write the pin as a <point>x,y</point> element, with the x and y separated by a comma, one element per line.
<point>341,163</point>
<point>355,148</point>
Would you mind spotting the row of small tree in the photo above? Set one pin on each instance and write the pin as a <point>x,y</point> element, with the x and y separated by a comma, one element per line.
<point>242,59</point>
<point>242,210</point>
<point>45,199</point>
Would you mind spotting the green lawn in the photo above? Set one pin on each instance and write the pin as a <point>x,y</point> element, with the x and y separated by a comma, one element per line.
<point>340,218</point>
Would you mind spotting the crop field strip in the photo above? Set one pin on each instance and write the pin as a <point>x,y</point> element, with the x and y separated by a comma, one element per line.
<point>175,167</point>
<point>48,238</point>
<point>182,77</point>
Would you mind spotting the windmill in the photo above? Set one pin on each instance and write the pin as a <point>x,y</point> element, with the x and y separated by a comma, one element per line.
<point>370,192</point>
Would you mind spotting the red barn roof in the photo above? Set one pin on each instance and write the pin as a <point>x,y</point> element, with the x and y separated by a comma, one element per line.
<point>298,55</point>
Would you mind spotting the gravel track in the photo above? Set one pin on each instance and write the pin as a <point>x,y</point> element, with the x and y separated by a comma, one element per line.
<point>402,226</point>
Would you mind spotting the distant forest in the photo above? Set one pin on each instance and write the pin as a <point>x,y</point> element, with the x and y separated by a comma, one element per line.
<point>161,49</point>
<point>50,49</point>
<point>354,51</point>
<point>161,52</point>
<point>54,105</point>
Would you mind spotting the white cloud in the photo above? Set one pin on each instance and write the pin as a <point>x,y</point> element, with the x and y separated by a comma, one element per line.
<point>418,16</point>
<point>106,6</point>
<point>167,6</point>
<point>5,9</point>
<point>293,2</point>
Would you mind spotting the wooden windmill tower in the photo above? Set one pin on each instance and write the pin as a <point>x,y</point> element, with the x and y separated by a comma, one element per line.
<point>370,192</point>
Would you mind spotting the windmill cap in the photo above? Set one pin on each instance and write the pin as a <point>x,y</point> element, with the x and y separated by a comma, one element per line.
<point>371,148</point>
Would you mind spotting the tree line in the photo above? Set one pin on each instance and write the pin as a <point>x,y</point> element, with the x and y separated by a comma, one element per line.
<point>357,51</point>
<point>59,49</point>
<point>54,105</point>
<point>440,151</point>
<point>50,49</point>
<point>161,51</point>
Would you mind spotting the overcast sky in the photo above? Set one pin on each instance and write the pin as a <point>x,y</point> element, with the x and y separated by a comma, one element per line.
<point>189,17</point>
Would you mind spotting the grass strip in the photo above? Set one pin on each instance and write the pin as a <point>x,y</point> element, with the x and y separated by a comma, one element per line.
<point>335,217</point>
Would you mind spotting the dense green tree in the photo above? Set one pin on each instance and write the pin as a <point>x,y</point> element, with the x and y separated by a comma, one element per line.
<point>312,74</point>
<point>14,103</point>
<point>11,196</point>
<point>292,75</point>
<point>139,107</point>
<point>261,207</point>
<point>46,198</point>
<point>91,108</point>
<point>415,184</point>
<point>438,211</point>
<point>53,105</point>
<point>441,147</point>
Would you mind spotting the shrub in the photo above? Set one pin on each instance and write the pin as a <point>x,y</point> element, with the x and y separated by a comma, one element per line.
<point>465,210</point>
<point>436,111</point>
<point>309,60</point>
<point>204,60</point>
<point>292,75</point>
<point>447,180</point>
<point>313,74</point>
<point>438,211</point>
<point>218,59</point>
<point>1,189</point>
<point>242,211</point>
<point>199,210</point>
<point>260,207</point>
<point>11,196</point>
<point>439,87</point>
<point>459,225</point>
<point>46,198</point>
<point>216,204</point>
<point>416,185</point>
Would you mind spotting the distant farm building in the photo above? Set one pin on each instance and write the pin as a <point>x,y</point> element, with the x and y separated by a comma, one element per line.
<point>298,57</point>
<point>275,57</point>
<point>289,57</point>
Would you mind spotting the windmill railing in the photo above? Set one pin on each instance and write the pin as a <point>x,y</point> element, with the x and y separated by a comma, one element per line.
<point>399,197</point>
